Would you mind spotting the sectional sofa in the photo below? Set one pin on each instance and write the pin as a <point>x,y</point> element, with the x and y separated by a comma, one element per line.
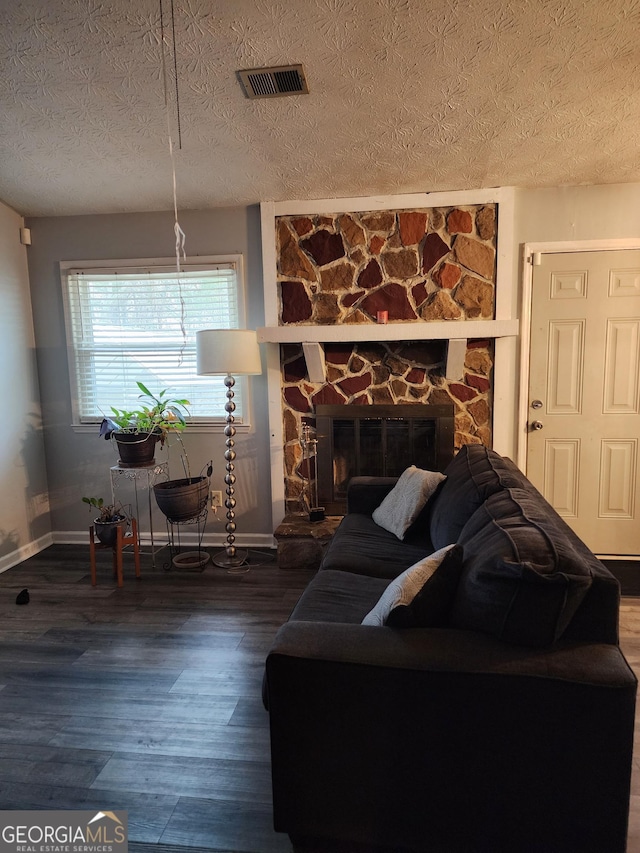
<point>492,713</point>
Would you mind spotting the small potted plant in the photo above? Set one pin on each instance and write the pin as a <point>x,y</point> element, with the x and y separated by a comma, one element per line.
<point>110,518</point>
<point>137,431</point>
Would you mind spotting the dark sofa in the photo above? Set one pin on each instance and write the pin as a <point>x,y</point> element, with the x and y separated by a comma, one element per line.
<point>505,727</point>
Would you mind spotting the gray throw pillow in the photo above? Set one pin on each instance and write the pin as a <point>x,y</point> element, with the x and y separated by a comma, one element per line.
<point>405,587</point>
<point>403,504</point>
<point>432,606</point>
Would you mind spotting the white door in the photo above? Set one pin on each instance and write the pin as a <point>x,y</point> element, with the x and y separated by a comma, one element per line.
<point>584,394</point>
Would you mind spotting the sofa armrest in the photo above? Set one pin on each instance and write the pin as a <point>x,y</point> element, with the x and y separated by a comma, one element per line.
<point>378,736</point>
<point>364,494</point>
<point>448,650</point>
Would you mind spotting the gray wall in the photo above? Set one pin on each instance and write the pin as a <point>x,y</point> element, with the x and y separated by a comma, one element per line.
<point>603,212</point>
<point>78,464</point>
<point>24,507</point>
<point>608,212</point>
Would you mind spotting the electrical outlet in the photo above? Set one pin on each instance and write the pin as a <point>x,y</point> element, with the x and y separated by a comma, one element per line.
<point>216,498</point>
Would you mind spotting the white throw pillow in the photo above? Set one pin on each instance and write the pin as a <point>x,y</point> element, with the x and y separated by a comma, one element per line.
<point>405,587</point>
<point>402,505</point>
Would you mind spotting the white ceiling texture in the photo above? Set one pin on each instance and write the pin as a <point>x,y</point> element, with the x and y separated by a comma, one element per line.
<point>405,96</point>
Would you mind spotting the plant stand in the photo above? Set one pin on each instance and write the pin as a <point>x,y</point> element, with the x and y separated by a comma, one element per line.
<point>121,540</point>
<point>146,477</point>
<point>189,561</point>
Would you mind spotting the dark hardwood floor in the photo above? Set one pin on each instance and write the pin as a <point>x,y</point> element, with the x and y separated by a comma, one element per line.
<point>145,698</point>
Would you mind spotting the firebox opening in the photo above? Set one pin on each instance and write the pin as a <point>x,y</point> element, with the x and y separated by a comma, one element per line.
<point>378,441</point>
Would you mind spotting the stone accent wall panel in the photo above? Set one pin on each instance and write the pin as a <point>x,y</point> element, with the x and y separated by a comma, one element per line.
<point>422,251</point>
<point>419,265</point>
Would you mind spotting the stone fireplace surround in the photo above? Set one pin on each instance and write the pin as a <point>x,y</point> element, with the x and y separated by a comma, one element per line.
<point>433,269</point>
<point>375,373</point>
<point>417,265</point>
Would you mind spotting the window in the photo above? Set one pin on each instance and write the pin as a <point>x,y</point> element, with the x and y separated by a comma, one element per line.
<point>125,324</point>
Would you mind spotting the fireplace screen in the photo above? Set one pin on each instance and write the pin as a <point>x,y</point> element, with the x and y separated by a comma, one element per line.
<point>378,441</point>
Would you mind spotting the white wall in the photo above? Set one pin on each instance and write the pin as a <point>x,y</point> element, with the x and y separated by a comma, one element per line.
<point>24,507</point>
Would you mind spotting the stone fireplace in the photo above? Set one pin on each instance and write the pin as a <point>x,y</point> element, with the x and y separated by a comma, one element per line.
<point>385,305</point>
<point>418,266</point>
<point>395,373</point>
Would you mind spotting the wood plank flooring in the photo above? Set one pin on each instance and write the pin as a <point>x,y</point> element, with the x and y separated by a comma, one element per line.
<point>147,698</point>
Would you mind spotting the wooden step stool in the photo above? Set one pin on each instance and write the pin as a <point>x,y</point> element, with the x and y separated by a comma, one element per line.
<point>121,541</point>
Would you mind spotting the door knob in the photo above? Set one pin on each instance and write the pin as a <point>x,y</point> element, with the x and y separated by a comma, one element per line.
<point>536,425</point>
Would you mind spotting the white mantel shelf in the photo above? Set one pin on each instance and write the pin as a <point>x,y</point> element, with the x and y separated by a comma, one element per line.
<point>427,331</point>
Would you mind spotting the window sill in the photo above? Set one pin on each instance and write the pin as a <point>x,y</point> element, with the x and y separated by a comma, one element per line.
<point>94,429</point>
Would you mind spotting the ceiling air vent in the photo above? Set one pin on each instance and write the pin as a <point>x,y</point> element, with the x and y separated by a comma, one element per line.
<point>274,82</point>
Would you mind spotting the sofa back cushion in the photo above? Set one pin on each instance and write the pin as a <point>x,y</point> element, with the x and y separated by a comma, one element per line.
<point>473,475</point>
<point>361,546</point>
<point>522,580</point>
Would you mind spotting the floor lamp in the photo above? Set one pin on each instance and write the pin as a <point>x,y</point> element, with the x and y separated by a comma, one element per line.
<point>228,353</point>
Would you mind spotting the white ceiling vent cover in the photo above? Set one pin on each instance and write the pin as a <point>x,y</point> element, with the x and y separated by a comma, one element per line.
<point>274,82</point>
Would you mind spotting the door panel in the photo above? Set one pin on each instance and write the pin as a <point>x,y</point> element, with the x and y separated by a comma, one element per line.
<point>621,373</point>
<point>585,371</point>
<point>566,360</point>
<point>561,475</point>
<point>617,478</point>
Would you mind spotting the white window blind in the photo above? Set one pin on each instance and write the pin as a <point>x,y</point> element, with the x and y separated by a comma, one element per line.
<point>126,324</point>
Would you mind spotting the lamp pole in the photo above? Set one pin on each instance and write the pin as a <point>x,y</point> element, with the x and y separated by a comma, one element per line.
<point>233,558</point>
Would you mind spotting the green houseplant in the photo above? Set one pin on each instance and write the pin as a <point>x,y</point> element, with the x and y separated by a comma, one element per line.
<point>111,516</point>
<point>137,431</point>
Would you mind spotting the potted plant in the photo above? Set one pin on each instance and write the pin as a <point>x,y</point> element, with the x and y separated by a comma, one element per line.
<point>110,518</point>
<point>182,500</point>
<point>157,418</point>
<point>136,431</point>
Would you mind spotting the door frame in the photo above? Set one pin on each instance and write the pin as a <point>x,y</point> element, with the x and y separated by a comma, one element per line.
<point>530,251</point>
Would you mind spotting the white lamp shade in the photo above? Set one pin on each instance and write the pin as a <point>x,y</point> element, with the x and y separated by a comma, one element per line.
<point>227,351</point>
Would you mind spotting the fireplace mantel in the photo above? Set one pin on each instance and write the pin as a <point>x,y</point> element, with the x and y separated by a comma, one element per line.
<point>312,338</point>
<point>428,331</point>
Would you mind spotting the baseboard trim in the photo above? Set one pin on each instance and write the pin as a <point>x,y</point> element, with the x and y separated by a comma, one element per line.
<point>8,561</point>
<point>209,540</point>
<point>627,558</point>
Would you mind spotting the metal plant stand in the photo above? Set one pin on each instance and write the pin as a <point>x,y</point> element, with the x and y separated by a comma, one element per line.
<point>146,476</point>
<point>193,560</point>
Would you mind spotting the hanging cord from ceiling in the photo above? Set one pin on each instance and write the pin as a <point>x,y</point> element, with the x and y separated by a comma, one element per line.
<point>179,233</point>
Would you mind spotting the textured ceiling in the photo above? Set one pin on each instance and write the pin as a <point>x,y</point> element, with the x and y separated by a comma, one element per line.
<point>406,96</point>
